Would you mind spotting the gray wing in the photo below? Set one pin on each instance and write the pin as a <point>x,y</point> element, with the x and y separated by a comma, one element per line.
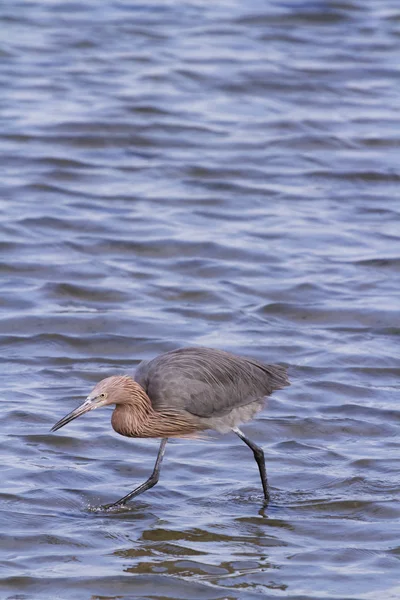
<point>207,382</point>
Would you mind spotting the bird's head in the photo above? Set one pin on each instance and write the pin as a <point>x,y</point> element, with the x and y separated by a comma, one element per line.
<point>117,389</point>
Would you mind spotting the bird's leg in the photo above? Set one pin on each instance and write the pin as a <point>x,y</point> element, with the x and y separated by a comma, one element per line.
<point>151,481</point>
<point>259,456</point>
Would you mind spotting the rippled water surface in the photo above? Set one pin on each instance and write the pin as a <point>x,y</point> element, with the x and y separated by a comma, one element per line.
<point>222,174</point>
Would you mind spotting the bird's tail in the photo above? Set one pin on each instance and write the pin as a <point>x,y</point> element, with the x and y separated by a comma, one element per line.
<point>277,374</point>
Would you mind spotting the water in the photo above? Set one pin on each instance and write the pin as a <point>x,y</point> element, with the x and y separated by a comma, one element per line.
<point>199,173</point>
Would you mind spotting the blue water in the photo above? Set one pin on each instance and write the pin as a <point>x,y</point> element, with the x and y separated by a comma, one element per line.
<point>198,173</point>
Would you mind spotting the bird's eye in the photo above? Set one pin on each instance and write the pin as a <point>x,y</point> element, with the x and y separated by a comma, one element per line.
<point>102,395</point>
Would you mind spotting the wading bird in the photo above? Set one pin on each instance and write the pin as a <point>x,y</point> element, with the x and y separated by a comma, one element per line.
<point>184,392</point>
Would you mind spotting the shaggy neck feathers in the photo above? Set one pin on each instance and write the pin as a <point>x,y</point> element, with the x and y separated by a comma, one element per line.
<point>136,417</point>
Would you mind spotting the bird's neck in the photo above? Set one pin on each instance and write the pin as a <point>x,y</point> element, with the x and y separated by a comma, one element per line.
<point>137,418</point>
<point>131,417</point>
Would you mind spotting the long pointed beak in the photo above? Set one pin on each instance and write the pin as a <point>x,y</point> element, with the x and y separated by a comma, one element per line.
<point>89,404</point>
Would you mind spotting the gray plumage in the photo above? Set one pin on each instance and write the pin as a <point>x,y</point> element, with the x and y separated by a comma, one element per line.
<point>210,384</point>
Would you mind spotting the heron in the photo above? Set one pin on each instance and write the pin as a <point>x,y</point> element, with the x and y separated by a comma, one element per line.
<point>183,393</point>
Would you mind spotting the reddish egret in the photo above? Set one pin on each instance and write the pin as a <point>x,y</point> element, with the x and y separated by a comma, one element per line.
<point>184,392</point>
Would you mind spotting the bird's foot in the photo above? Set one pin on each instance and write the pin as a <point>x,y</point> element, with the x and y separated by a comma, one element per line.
<point>112,505</point>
